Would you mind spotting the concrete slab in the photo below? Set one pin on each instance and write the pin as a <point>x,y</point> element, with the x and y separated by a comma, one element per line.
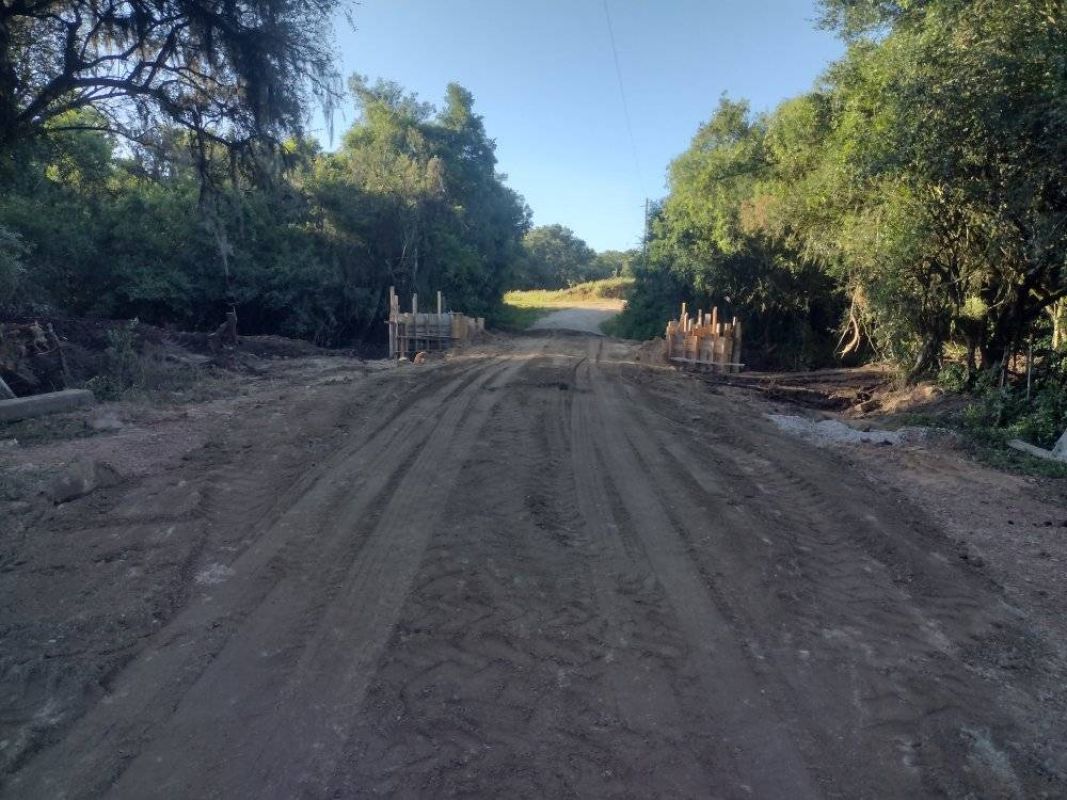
<point>1057,453</point>
<point>38,405</point>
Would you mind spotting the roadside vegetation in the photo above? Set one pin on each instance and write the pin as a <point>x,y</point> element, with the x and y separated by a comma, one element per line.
<point>553,257</point>
<point>909,209</point>
<point>522,308</point>
<point>91,225</point>
<point>609,290</point>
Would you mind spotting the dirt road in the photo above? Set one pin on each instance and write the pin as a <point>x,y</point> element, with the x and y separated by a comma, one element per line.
<point>538,569</point>
<point>581,319</point>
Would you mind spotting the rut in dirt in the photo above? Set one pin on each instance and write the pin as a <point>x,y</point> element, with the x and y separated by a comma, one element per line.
<point>546,570</point>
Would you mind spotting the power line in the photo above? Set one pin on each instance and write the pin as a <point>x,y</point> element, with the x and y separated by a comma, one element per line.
<point>622,94</point>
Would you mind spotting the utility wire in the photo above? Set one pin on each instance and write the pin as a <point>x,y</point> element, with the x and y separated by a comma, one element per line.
<point>622,94</point>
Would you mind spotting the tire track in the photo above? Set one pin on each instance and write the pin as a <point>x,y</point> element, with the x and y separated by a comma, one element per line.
<point>298,715</point>
<point>144,695</point>
<point>889,622</point>
<point>497,681</point>
<point>762,756</point>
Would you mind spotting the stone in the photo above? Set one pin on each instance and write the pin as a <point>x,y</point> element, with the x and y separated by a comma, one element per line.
<point>108,421</point>
<point>79,478</point>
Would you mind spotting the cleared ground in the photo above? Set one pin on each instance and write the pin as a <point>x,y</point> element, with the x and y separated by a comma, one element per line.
<point>584,320</point>
<point>538,569</point>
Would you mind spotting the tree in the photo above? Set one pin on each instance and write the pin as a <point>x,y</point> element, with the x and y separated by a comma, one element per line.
<point>951,128</point>
<point>12,257</point>
<point>712,235</point>
<point>233,72</point>
<point>920,181</point>
<point>411,198</point>
<point>615,264</point>
<point>553,258</point>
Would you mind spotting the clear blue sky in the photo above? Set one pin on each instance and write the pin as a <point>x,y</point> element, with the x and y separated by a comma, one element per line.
<point>543,78</point>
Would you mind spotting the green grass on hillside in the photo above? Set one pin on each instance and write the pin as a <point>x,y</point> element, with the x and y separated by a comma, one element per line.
<point>609,289</point>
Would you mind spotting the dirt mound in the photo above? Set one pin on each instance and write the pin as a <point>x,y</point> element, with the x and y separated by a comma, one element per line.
<point>72,352</point>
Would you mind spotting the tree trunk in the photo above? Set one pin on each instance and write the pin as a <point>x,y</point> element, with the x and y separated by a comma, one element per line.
<point>1058,312</point>
<point>928,358</point>
<point>972,357</point>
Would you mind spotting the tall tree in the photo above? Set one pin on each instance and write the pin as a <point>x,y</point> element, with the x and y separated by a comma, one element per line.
<point>233,72</point>
<point>553,258</point>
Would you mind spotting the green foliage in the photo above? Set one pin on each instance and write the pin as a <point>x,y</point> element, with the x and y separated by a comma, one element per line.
<point>411,198</point>
<point>615,264</point>
<point>238,73</point>
<point>954,377</point>
<point>912,201</point>
<point>1037,416</point>
<point>653,299</point>
<point>12,255</point>
<point>589,293</point>
<point>712,244</point>
<point>553,258</point>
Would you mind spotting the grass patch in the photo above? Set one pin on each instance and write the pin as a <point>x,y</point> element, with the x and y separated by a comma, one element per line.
<point>613,327</point>
<point>514,318</point>
<point>1005,458</point>
<point>985,444</point>
<point>607,290</point>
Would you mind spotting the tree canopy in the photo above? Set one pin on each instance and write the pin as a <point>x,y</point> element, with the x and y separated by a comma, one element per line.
<point>411,198</point>
<point>912,201</point>
<point>234,72</point>
<point>554,258</point>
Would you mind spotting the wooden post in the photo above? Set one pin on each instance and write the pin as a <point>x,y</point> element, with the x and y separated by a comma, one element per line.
<point>414,323</point>
<point>392,323</point>
<point>737,345</point>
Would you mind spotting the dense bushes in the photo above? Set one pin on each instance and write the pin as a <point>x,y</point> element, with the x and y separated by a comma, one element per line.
<point>306,245</point>
<point>554,258</point>
<point>912,203</point>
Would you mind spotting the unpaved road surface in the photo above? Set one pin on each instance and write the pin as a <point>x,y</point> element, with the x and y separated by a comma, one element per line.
<point>583,319</point>
<point>538,569</point>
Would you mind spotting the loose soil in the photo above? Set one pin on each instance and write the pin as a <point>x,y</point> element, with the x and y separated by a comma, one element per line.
<point>540,567</point>
<point>585,319</point>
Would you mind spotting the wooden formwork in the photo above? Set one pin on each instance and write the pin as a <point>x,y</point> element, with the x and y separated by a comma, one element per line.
<point>703,341</point>
<point>413,332</point>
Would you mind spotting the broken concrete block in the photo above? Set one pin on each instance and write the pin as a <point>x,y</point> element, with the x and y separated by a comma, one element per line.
<point>106,422</point>
<point>37,405</point>
<point>1057,453</point>
<point>80,478</point>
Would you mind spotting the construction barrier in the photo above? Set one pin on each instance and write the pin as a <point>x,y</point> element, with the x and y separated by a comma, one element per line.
<point>413,332</point>
<point>703,341</point>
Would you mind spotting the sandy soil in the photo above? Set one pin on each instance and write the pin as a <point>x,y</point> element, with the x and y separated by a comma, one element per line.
<point>538,568</point>
<point>584,319</point>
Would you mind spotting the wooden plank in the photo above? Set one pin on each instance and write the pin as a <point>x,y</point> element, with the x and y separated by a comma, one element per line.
<point>737,343</point>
